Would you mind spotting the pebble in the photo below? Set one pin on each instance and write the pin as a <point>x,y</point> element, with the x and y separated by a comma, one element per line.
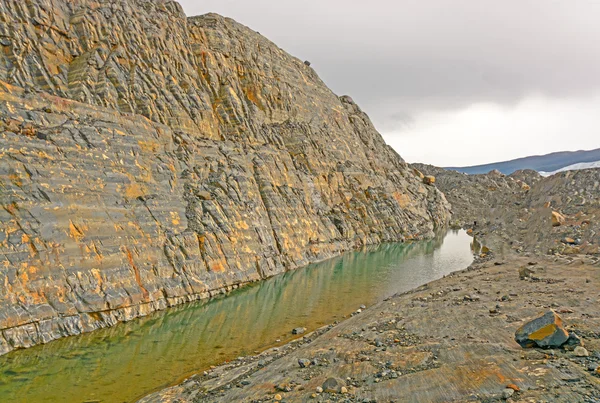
<point>343,390</point>
<point>507,393</point>
<point>278,397</point>
<point>581,352</point>
<point>319,389</point>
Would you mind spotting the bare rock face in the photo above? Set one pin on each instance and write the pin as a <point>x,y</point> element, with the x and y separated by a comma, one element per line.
<point>148,159</point>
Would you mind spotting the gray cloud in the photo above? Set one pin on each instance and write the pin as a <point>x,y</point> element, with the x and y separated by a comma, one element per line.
<point>403,59</point>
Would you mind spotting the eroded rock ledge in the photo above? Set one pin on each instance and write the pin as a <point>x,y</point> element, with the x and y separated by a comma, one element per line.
<point>149,159</point>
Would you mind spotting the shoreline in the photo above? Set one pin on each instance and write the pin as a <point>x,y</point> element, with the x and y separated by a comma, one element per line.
<point>48,330</point>
<point>346,348</point>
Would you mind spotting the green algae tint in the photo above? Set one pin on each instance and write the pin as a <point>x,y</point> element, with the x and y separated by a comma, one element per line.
<point>130,360</point>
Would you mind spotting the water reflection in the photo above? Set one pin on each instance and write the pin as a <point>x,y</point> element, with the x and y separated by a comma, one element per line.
<point>127,361</point>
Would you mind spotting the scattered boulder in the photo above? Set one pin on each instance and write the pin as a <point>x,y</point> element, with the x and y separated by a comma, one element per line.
<point>299,330</point>
<point>304,363</point>
<point>429,180</point>
<point>546,331</point>
<point>557,219</point>
<point>332,385</point>
<point>572,342</point>
<point>418,173</point>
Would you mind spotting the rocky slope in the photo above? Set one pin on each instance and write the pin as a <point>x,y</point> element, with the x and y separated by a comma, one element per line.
<point>453,340</point>
<point>514,213</point>
<point>148,159</point>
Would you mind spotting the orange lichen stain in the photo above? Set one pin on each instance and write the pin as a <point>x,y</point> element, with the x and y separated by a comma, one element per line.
<point>149,146</point>
<point>98,277</point>
<point>217,267</point>
<point>75,232</point>
<point>136,271</point>
<point>402,199</point>
<point>544,332</point>
<point>95,315</point>
<point>251,94</point>
<point>175,219</point>
<point>94,248</point>
<point>15,179</point>
<point>242,225</point>
<point>134,190</point>
<point>201,242</point>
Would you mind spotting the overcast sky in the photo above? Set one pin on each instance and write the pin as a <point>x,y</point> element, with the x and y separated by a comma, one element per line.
<point>449,82</point>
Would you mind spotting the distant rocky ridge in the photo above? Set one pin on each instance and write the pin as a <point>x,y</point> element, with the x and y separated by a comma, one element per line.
<point>148,159</point>
<point>542,163</point>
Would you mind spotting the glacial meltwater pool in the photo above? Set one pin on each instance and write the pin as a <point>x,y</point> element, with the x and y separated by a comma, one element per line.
<point>132,359</point>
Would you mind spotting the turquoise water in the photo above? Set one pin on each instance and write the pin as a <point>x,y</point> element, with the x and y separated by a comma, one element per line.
<point>127,361</point>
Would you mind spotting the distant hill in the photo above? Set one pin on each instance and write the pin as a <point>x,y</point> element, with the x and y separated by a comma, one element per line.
<point>574,167</point>
<point>541,163</point>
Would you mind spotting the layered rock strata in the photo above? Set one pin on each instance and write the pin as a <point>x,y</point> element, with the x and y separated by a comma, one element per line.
<point>148,159</point>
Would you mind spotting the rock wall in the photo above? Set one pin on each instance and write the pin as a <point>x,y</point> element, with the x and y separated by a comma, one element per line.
<point>148,159</point>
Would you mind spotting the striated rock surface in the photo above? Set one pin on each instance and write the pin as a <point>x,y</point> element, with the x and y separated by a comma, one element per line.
<point>148,159</point>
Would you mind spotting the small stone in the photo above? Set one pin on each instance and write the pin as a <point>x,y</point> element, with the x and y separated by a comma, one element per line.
<point>572,342</point>
<point>524,273</point>
<point>299,330</point>
<point>204,195</point>
<point>343,390</point>
<point>581,352</point>
<point>304,363</point>
<point>363,307</point>
<point>513,387</point>
<point>319,389</point>
<point>557,219</point>
<point>278,397</point>
<point>507,393</point>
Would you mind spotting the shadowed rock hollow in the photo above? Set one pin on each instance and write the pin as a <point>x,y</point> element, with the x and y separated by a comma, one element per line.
<point>148,159</point>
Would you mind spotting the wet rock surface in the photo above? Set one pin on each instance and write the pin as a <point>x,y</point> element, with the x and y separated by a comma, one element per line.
<point>148,159</point>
